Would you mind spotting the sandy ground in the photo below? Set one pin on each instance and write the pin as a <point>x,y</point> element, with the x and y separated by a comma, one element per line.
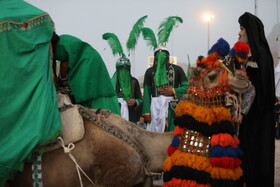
<point>277,167</point>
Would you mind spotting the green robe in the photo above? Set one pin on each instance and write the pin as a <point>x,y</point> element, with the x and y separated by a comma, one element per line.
<point>176,79</point>
<point>88,77</point>
<point>28,105</point>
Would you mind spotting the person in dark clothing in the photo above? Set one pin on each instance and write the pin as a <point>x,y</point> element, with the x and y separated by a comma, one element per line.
<point>127,89</point>
<point>164,83</point>
<point>161,100</point>
<point>126,86</point>
<point>277,119</point>
<point>258,126</point>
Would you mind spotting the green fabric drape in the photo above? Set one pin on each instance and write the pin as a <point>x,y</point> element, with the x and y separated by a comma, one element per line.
<point>88,76</point>
<point>161,78</point>
<point>28,105</point>
<point>125,84</point>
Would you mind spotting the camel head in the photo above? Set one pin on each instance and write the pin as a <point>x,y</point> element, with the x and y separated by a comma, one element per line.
<point>203,78</point>
<point>208,82</point>
<point>211,79</point>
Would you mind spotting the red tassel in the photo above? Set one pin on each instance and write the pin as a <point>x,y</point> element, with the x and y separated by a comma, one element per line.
<point>171,150</point>
<point>225,162</point>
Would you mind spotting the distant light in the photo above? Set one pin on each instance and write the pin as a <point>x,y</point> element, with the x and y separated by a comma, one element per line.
<point>208,17</point>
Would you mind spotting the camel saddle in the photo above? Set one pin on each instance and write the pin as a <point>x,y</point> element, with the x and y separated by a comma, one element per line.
<point>73,129</point>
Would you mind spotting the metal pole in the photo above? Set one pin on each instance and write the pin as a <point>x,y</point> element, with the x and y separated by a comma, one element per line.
<point>277,12</point>
<point>277,38</point>
<point>255,8</point>
<point>208,34</point>
<point>133,63</point>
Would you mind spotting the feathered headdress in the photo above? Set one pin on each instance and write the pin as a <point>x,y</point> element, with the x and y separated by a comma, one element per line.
<point>135,33</point>
<point>123,63</point>
<point>163,34</point>
<point>116,46</point>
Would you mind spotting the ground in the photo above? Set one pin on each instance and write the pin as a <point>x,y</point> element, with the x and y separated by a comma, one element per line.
<point>158,183</point>
<point>277,163</point>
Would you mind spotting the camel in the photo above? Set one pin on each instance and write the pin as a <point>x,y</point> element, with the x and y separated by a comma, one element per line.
<point>122,160</point>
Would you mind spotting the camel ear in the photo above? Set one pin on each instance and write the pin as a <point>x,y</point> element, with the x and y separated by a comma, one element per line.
<point>193,72</point>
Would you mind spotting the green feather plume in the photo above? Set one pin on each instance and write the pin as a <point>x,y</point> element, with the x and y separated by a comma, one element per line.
<point>114,43</point>
<point>166,27</point>
<point>135,33</point>
<point>150,37</point>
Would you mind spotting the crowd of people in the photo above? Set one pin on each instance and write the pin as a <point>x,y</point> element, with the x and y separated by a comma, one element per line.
<point>171,101</point>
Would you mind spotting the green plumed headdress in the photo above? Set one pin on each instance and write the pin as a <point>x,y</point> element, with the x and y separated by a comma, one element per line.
<point>135,33</point>
<point>166,27</point>
<point>123,63</point>
<point>160,51</point>
<point>164,30</point>
<point>116,46</point>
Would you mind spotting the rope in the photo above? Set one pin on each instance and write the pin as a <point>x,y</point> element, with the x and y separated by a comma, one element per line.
<point>67,150</point>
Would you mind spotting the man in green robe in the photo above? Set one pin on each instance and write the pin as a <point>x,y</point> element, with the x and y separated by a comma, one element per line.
<point>28,105</point>
<point>164,84</point>
<point>88,77</point>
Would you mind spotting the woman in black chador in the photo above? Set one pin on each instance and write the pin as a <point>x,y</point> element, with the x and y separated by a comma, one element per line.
<point>257,132</point>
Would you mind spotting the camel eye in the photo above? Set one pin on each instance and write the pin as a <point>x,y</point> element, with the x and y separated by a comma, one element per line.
<point>196,73</point>
<point>212,76</point>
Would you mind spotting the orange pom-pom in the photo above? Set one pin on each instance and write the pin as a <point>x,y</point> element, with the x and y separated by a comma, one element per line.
<point>208,62</point>
<point>174,182</point>
<point>224,139</point>
<point>229,174</point>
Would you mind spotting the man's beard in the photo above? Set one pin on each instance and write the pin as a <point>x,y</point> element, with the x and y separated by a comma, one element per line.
<point>244,38</point>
